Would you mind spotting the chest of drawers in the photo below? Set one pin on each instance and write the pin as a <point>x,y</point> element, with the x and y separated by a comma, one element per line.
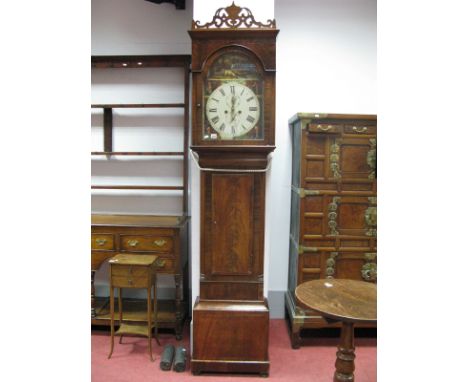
<point>333,231</point>
<point>164,236</point>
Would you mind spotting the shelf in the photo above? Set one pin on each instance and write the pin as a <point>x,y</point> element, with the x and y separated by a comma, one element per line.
<point>147,61</point>
<point>148,153</point>
<point>134,310</point>
<point>132,329</point>
<point>137,105</point>
<point>137,187</point>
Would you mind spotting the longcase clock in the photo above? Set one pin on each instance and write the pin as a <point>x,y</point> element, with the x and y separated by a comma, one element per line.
<point>233,131</point>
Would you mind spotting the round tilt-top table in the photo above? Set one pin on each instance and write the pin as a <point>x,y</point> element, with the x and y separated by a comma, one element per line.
<point>348,301</point>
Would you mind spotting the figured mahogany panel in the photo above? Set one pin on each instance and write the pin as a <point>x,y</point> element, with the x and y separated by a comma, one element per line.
<point>232,234</point>
<point>247,337</point>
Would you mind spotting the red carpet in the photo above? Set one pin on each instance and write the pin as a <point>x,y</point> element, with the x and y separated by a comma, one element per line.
<point>313,362</point>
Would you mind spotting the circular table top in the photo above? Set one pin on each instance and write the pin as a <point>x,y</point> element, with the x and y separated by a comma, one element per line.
<point>344,300</point>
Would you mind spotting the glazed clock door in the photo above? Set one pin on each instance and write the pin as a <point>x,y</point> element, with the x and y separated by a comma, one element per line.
<point>233,98</point>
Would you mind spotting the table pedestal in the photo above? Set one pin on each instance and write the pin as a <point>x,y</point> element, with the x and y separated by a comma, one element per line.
<point>345,355</point>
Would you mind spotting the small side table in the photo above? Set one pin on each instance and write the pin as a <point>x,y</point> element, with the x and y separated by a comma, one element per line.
<point>348,301</point>
<point>134,271</point>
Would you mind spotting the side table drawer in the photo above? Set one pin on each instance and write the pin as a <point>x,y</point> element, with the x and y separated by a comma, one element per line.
<point>129,281</point>
<point>102,241</point>
<point>129,270</point>
<point>146,243</point>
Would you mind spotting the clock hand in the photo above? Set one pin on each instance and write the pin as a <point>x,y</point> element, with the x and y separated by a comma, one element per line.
<point>233,111</point>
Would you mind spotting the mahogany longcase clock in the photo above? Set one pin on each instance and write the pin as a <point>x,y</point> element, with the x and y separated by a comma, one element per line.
<point>233,131</point>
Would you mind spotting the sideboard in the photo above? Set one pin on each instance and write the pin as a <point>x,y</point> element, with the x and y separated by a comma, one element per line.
<point>164,236</point>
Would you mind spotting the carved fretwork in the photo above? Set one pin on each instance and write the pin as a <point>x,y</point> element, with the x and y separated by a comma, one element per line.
<point>234,17</point>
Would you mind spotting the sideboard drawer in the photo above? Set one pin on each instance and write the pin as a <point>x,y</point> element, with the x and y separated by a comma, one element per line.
<point>146,243</point>
<point>164,265</point>
<point>102,241</point>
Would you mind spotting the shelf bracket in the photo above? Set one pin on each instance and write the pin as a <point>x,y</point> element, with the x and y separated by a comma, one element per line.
<point>108,129</point>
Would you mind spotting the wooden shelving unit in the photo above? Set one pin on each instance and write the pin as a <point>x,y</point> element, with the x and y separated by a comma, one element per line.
<point>151,61</point>
<point>114,230</point>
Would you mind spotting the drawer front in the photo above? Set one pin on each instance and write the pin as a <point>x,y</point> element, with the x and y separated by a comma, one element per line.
<point>129,281</point>
<point>102,241</point>
<point>324,128</point>
<point>360,129</point>
<point>138,243</point>
<point>164,265</point>
<point>129,270</point>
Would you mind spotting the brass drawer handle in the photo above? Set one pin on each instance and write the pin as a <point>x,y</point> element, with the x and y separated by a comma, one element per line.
<point>159,243</point>
<point>132,243</point>
<point>160,263</point>
<point>358,130</point>
<point>323,128</point>
<point>101,241</point>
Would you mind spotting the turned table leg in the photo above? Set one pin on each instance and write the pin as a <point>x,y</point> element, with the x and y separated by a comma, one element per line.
<point>93,291</point>
<point>178,307</point>
<point>345,355</point>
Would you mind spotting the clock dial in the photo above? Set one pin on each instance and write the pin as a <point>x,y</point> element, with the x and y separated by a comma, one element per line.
<point>232,110</point>
<point>233,96</point>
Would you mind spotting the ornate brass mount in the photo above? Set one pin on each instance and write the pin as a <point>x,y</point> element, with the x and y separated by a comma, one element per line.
<point>333,215</point>
<point>335,158</point>
<point>233,17</point>
<point>369,269</point>
<point>159,243</point>
<point>371,217</point>
<point>331,262</point>
<point>302,249</point>
<point>133,243</point>
<point>303,192</point>
<point>100,241</point>
<point>372,157</point>
<point>160,263</point>
<point>360,129</point>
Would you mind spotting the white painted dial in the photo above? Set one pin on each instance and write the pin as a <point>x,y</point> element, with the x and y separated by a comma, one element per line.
<point>232,110</point>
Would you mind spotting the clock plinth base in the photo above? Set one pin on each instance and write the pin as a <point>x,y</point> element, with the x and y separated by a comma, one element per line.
<point>230,337</point>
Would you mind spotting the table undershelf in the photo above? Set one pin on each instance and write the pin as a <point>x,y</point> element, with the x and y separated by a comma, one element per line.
<point>138,329</point>
<point>134,311</point>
